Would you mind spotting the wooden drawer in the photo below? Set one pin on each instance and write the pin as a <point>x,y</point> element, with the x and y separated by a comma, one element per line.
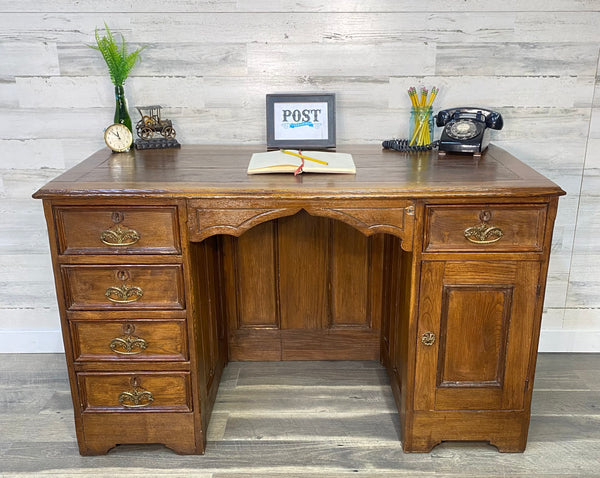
<point>163,340</point>
<point>123,287</point>
<point>144,391</point>
<point>117,230</point>
<point>493,228</point>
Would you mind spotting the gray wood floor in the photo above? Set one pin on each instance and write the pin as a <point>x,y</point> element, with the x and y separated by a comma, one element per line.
<point>301,419</point>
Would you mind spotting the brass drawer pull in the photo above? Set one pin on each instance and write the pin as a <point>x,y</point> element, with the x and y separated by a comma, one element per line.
<point>483,234</point>
<point>119,236</point>
<point>137,398</point>
<point>124,294</point>
<point>428,338</point>
<point>128,344</point>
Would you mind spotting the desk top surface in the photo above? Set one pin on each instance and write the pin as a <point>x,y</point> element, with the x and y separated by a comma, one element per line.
<point>207,171</point>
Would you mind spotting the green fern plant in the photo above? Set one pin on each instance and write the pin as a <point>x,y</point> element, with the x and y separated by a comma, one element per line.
<point>119,62</point>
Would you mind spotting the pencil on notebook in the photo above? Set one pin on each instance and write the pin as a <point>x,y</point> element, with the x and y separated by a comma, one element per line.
<point>304,157</point>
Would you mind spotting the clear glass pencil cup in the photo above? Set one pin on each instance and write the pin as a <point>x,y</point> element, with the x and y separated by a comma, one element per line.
<point>420,131</point>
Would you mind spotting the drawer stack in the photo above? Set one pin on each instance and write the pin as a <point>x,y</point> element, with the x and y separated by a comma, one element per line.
<point>123,306</point>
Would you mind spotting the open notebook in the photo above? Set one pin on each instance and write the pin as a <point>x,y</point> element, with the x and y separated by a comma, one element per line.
<point>289,161</point>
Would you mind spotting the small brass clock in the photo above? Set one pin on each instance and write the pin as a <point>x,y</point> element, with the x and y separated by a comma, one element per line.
<point>118,137</point>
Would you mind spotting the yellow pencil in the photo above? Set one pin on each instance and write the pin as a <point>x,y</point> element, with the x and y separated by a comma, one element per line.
<point>304,157</point>
<point>434,92</point>
<point>423,96</point>
<point>412,94</point>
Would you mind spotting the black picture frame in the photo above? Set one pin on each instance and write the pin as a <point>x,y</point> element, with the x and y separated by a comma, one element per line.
<point>298,121</point>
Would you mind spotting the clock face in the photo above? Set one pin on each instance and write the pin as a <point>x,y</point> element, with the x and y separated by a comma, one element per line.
<point>463,129</point>
<point>118,137</point>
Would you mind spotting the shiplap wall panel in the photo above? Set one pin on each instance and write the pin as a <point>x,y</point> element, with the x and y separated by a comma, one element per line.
<point>20,233</point>
<point>516,59</point>
<point>210,65</point>
<point>162,59</point>
<point>135,6</point>
<point>308,27</point>
<point>503,91</point>
<point>25,56</point>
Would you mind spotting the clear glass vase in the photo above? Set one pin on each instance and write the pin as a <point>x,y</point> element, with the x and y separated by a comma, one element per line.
<point>421,126</point>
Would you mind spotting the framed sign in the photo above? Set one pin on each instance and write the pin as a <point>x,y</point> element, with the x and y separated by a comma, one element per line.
<point>301,121</point>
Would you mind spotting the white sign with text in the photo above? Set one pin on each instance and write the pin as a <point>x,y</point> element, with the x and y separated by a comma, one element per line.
<point>302,121</point>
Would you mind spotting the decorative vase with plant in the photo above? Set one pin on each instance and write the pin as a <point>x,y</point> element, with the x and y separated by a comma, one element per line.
<point>120,63</point>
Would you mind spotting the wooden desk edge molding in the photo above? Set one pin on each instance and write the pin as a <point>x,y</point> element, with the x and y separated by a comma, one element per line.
<point>170,263</point>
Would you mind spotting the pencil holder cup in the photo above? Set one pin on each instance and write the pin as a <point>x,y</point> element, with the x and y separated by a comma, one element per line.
<point>420,131</point>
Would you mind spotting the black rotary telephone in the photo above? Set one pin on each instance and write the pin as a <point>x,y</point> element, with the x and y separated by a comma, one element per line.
<point>466,129</point>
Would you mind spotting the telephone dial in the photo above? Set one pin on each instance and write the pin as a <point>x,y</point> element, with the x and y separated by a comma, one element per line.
<point>466,129</point>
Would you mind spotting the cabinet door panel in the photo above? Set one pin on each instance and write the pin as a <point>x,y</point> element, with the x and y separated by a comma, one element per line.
<point>482,315</point>
<point>478,316</point>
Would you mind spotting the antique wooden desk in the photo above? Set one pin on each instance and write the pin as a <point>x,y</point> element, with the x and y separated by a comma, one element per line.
<point>169,263</point>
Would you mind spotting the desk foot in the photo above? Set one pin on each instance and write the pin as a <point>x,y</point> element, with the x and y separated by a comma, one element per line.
<point>419,446</point>
<point>94,450</point>
<point>103,431</point>
<point>509,446</point>
<point>102,449</point>
<point>506,430</point>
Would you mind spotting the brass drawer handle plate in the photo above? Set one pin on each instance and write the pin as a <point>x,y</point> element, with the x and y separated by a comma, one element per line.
<point>484,233</point>
<point>428,338</point>
<point>119,236</point>
<point>124,294</point>
<point>137,398</point>
<point>128,344</point>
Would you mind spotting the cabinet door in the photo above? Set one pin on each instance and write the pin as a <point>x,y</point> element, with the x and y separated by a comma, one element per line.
<point>477,323</point>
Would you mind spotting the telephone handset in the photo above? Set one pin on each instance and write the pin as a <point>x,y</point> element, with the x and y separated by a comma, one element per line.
<point>466,129</point>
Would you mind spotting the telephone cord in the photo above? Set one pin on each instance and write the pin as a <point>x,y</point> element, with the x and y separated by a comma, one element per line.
<point>403,146</point>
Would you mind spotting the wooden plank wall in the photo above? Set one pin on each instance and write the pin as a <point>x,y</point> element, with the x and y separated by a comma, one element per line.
<point>211,64</point>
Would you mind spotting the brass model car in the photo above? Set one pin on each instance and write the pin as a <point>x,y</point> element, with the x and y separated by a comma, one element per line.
<point>151,123</point>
